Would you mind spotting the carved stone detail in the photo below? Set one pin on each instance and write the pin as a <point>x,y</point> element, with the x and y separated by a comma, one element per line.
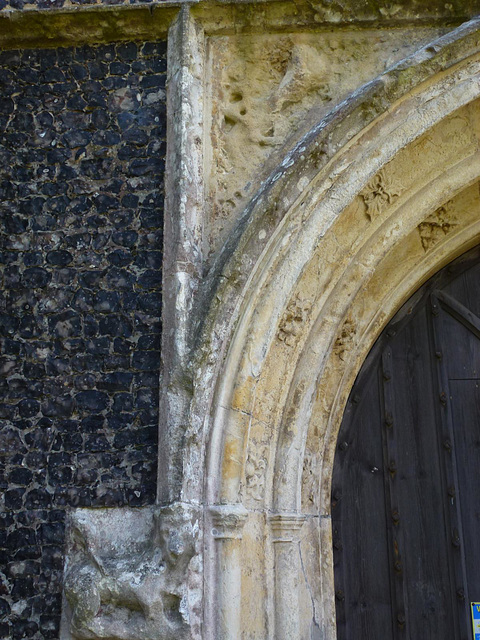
<point>285,526</point>
<point>293,320</point>
<point>380,192</point>
<point>435,227</point>
<point>228,521</point>
<point>255,469</point>
<point>126,573</point>
<point>345,340</point>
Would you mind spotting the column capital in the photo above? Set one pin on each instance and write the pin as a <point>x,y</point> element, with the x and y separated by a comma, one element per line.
<point>284,526</point>
<point>227,521</point>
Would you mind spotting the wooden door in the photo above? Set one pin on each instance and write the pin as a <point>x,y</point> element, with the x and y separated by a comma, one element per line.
<point>406,480</point>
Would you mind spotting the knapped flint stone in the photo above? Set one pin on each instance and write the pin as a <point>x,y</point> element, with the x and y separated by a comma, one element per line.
<point>146,398</point>
<point>33,258</point>
<point>151,279</point>
<point>59,407</point>
<point>33,370</point>
<point>146,360</point>
<point>21,476</point>
<point>119,68</point>
<point>77,138</point>
<point>96,442</point>
<point>92,424</point>
<point>128,51</point>
<point>118,381</point>
<point>122,402</point>
<point>36,277</point>
<point>107,302</point>
<point>149,260</point>
<point>50,626</point>
<point>7,105</point>
<point>4,608</point>
<point>136,136</point>
<point>120,258</point>
<point>28,408</point>
<point>76,102</point>
<point>38,498</point>
<point>92,400</point>
<point>121,279</point>
<point>125,120</point>
<point>97,70</point>
<point>91,279</point>
<point>131,151</point>
<point>114,325</point>
<point>21,537</point>
<point>82,300</point>
<point>60,475</point>
<point>115,82</point>
<point>43,223</point>
<point>149,302</point>
<point>122,346</point>
<point>59,257</point>
<point>98,346</point>
<point>54,75</point>
<point>7,411</point>
<point>116,361</point>
<point>151,218</point>
<point>14,498</point>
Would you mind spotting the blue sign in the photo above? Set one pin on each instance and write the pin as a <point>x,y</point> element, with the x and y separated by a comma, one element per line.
<point>476,619</point>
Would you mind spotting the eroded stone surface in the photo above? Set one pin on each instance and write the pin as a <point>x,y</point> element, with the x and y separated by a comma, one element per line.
<point>127,573</point>
<point>264,88</point>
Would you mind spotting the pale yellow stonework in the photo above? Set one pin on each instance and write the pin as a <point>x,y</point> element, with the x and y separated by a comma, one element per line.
<point>264,90</point>
<point>393,205</point>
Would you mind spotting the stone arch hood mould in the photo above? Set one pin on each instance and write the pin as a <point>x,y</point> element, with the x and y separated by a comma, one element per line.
<point>309,163</point>
<point>316,148</point>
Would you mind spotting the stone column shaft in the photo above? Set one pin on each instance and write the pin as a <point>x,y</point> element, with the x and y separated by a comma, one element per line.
<point>227,523</point>
<point>285,528</point>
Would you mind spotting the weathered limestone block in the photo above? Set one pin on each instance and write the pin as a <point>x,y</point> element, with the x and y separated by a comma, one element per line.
<point>439,224</point>
<point>267,88</point>
<point>127,572</point>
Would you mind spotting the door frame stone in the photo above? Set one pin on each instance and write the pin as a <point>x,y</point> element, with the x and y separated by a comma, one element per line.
<point>365,208</point>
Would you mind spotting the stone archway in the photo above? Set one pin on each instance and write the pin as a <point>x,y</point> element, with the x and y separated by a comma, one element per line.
<point>340,237</point>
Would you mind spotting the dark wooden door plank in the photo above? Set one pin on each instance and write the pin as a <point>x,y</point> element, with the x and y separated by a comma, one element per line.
<point>405,492</point>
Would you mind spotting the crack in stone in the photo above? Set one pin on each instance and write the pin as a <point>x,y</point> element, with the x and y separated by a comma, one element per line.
<point>314,618</point>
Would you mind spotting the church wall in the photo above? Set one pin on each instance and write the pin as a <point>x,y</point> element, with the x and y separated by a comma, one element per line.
<point>82,145</point>
<point>239,523</point>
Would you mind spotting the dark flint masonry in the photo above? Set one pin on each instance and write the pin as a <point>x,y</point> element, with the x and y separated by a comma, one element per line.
<point>80,259</point>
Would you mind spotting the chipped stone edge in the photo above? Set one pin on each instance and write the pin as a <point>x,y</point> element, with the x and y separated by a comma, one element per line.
<point>182,270</point>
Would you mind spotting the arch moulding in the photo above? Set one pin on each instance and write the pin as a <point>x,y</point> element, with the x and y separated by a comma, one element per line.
<point>372,202</point>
